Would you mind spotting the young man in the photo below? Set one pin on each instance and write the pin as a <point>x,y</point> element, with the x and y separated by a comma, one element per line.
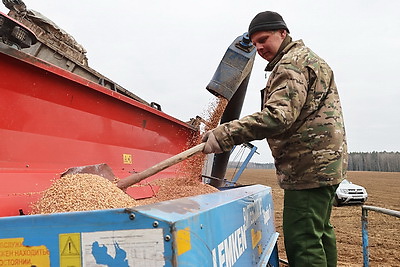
<point>302,121</point>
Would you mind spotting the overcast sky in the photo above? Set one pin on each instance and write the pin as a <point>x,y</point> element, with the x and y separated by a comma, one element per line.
<point>167,52</point>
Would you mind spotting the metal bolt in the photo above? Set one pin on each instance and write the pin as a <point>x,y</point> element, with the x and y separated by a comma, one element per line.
<point>155,224</point>
<point>246,38</point>
<point>132,216</point>
<point>245,42</point>
<point>167,238</point>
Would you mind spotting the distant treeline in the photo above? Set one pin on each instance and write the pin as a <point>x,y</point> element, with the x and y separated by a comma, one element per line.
<point>358,161</point>
<point>374,161</point>
<point>251,165</point>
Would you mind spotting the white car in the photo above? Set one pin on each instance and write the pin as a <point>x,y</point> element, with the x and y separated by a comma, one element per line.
<point>349,193</point>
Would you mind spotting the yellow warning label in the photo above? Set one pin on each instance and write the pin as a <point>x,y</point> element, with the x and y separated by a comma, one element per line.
<point>255,237</point>
<point>70,250</point>
<point>14,253</point>
<point>127,158</point>
<point>183,240</point>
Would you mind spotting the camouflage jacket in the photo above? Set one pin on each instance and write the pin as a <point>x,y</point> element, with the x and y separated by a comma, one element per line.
<point>301,120</point>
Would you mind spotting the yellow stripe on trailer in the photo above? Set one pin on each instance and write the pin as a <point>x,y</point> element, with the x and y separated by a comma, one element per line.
<point>183,241</point>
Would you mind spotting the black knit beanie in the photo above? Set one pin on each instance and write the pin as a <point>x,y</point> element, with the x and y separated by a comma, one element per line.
<point>267,21</point>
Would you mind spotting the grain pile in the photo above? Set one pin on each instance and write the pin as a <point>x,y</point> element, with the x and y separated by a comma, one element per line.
<point>173,188</point>
<point>81,192</point>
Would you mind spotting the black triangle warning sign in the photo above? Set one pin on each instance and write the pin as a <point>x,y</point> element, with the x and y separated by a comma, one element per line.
<point>69,248</point>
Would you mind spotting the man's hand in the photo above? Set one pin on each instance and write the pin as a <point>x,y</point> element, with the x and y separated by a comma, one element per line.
<point>212,145</point>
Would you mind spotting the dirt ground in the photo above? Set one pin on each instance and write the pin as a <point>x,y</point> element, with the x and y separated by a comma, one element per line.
<point>384,230</point>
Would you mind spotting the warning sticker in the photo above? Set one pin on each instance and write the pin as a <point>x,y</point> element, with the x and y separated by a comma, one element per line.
<point>127,158</point>
<point>141,247</point>
<point>70,250</point>
<point>14,253</point>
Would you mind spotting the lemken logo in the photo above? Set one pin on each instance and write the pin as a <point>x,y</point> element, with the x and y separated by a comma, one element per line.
<point>231,248</point>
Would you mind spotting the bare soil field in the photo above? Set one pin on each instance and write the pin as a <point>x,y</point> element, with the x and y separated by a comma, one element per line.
<point>384,231</point>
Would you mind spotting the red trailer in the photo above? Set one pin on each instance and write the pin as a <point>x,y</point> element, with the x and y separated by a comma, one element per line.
<point>52,119</point>
<point>57,113</point>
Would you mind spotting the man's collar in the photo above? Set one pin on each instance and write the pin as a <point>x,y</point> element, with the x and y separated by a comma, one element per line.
<point>281,51</point>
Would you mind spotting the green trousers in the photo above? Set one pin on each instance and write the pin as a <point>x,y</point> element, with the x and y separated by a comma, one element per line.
<point>309,237</point>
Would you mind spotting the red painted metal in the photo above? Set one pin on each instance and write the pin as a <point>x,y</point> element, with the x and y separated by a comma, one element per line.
<point>52,119</point>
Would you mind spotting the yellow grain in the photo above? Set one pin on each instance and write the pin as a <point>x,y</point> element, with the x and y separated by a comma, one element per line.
<point>81,192</point>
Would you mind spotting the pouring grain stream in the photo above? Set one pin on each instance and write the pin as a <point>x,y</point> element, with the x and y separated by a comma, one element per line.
<point>192,168</point>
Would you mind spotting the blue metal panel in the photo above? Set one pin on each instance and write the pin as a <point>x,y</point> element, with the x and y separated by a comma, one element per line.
<point>216,222</point>
<point>44,230</point>
<point>234,227</point>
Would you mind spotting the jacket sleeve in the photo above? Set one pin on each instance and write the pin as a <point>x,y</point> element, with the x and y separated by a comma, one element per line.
<point>286,95</point>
